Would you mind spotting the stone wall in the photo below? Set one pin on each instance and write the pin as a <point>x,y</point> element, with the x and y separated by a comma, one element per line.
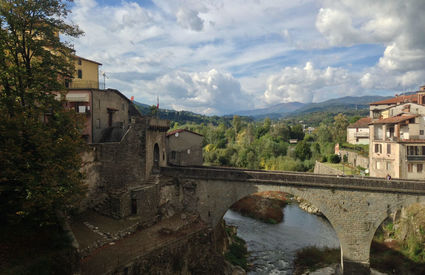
<point>356,159</point>
<point>355,206</point>
<point>322,168</point>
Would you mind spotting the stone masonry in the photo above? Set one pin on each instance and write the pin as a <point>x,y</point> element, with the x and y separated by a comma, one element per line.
<point>355,206</point>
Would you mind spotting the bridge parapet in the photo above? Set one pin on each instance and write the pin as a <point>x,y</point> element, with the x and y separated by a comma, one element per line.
<point>298,179</point>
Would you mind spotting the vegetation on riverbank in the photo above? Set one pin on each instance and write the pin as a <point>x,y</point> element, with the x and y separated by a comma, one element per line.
<point>237,252</point>
<point>265,206</point>
<point>312,258</point>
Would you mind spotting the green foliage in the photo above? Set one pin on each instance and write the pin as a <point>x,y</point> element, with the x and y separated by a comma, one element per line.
<point>40,145</point>
<point>333,158</point>
<point>339,129</point>
<point>302,150</point>
<point>237,253</point>
<point>312,258</point>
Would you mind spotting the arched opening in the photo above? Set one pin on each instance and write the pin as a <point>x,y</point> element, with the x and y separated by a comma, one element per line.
<point>156,158</point>
<point>273,244</point>
<point>398,243</point>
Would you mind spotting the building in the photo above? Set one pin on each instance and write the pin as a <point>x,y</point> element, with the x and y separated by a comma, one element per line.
<point>108,113</point>
<point>358,132</point>
<point>397,137</point>
<point>184,148</point>
<point>86,74</point>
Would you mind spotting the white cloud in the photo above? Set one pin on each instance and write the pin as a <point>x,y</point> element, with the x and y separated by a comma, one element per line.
<point>307,84</point>
<point>211,92</point>
<point>189,19</point>
<point>397,24</point>
<point>181,49</point>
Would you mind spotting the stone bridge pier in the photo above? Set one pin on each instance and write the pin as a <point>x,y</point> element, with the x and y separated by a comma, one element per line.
<point>354,207</point>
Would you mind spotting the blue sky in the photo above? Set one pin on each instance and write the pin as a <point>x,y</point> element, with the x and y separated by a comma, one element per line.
<point>218,56</point>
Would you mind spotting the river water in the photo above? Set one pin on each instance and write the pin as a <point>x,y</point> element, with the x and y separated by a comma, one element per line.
<point>273,247</point>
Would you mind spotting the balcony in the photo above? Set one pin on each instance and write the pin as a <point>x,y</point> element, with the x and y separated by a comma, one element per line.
<point>415,157</point>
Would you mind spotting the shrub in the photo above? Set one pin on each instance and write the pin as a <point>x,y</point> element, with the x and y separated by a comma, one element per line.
<point>334,158</point>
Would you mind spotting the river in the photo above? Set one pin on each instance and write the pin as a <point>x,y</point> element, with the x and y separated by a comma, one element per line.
<point>272,247</point>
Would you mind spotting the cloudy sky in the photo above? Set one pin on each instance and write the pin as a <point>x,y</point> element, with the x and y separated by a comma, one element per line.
<point>219,56</point>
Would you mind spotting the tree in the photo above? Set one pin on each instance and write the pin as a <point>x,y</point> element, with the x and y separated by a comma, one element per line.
<point>302,150</point>
<point>340,128</point>
<point>40,142</point>
<point>297,132</point>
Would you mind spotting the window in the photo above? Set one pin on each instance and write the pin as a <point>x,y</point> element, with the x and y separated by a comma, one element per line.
<point>410,168</point>
<point>133,206</point>
<point>80,74</point>
<point>173,154</point>
<point>378,148</point>
<point>378,165</point>
<point>388,166</point>
<point>419,167</point>
<point>421,132</point>
<point>388,148</point>
<point>79,61</point>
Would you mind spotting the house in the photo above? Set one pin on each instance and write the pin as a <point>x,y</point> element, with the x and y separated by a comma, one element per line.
<point>86,74</point>
<point>184,148</point>
<point>358,132</point>
<point>108,113</point>
<point>397,137</point>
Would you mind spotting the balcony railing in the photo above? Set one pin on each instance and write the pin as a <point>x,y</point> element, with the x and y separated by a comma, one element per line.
<point>415,157</point>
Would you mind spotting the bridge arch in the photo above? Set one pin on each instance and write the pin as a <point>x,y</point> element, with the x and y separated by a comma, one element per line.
<point>354,206</point>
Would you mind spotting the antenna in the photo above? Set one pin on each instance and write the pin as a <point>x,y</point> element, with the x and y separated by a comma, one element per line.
<point>104,79</point>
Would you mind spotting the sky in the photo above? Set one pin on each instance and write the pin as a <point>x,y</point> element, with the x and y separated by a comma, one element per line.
<point>216,57</point>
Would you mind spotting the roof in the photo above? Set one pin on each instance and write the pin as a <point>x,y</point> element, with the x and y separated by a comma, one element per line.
<point>394,119</point>
<point>182,130</point>
<point>413,98</point>
<point>76,56</point>
<point>361,123</point>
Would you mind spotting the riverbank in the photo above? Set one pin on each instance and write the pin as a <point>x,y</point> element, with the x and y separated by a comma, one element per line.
<point>265,206</point>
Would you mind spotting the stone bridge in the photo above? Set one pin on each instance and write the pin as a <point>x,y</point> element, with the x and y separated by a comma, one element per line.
<point>355,206</point>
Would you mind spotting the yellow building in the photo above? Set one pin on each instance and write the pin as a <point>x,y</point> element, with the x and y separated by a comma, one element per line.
<point>86,74</point>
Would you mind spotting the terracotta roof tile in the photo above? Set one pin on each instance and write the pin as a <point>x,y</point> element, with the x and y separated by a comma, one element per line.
<point>394,119</point>
<point>361,123</point>
<point>413,98</point>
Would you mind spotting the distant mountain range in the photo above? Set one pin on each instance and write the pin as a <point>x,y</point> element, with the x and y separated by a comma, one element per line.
<point>294,108</point>
<point>282,110</point>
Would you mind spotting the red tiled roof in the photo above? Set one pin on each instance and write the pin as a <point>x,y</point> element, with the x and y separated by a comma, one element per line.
<point>413,98</point>
<point>394,119</point>
<point>182,130</point>
<point>361,123</point>
<point>76,56</point>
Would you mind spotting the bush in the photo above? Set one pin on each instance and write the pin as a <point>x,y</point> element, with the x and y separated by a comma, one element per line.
<point>334,158</point>
<point>324,159</point>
